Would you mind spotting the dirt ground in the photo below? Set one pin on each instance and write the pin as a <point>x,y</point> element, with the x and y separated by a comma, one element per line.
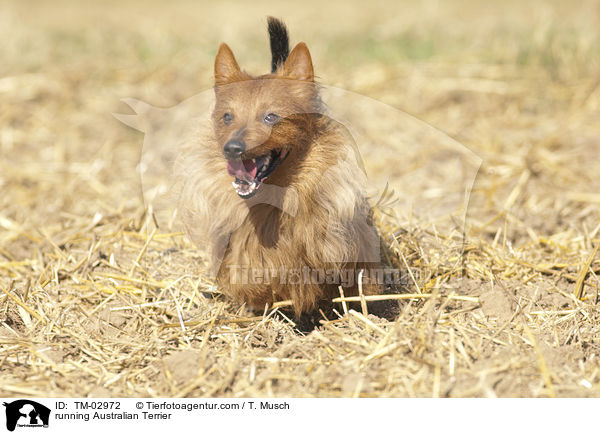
<point>95,302</point>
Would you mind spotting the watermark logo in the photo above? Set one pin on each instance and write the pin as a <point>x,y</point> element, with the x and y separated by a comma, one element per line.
<point>25,413</point>
<point>241,275</point>
<point>410,169</point>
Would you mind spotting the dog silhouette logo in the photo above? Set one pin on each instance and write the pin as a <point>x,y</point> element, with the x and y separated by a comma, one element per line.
<point>26,413</point>
<point>169,175</point>
<point>410,184</point>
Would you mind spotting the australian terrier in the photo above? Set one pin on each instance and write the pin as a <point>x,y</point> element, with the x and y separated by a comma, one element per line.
<point>275,189</point>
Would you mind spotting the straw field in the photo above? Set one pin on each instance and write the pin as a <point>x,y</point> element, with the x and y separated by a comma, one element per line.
<point>97,301</point>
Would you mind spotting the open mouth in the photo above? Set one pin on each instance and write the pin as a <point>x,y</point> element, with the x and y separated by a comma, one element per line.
<point>250,174</point>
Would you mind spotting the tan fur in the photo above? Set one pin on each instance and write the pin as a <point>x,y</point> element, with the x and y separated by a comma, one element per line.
<point>311,212</point>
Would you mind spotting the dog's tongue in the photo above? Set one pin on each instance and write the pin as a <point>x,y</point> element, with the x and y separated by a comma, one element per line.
<point>244,170</point>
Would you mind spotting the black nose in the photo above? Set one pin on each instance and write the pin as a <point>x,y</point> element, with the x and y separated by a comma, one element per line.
<point>233,149</point>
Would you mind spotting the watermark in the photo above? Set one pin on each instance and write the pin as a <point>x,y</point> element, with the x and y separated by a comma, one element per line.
<point>243,275</point>
<point>412,171</point>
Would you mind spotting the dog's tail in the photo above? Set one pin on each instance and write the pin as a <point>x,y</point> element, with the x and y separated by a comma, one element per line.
<point>280,44</point>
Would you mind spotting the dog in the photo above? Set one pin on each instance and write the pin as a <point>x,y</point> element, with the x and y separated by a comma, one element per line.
<point>275,188</point>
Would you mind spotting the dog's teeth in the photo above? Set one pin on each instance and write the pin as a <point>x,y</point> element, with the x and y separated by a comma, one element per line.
<point>246,189</point>
<point>264,164</point>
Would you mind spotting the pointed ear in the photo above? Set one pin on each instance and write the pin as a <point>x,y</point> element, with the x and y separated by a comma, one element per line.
<point>226,67</point>
<point>299,64</point>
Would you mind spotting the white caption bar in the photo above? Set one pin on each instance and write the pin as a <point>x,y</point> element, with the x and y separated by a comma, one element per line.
<point>249,415</point>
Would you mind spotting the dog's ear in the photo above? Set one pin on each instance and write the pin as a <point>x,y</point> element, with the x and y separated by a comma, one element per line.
<point>226,67</point>
<point>299,64</point>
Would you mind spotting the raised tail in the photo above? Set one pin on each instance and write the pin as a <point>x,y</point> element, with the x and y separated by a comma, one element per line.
<point>280,43</point>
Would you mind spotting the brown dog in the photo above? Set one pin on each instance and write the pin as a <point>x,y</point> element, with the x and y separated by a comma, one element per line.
<point>296,224</point>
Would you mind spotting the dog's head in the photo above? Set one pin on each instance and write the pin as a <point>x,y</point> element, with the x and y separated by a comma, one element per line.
<point>264,124</point>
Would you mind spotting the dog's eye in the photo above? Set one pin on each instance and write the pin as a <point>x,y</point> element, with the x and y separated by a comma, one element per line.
<point>271,119</point>
<point>227,118</point>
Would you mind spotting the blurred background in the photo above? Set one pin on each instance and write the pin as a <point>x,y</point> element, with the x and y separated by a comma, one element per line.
<point>497,77</point>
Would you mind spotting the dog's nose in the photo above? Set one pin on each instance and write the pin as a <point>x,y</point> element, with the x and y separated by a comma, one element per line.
<point>233,149</point>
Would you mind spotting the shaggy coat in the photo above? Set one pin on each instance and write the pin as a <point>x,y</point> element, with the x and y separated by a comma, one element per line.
<point>309,223</point>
